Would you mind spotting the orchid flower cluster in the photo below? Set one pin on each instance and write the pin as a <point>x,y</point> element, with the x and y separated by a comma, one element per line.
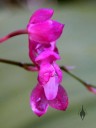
<point>43,33</point>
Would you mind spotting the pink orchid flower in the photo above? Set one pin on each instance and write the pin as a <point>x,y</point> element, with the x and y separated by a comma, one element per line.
<point>43,33</point>
<point>42,29</point>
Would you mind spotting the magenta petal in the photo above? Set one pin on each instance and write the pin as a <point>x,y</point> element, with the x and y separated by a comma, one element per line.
<point>32,51</point>
<point>38,101</point>
<point>58,72</point>
<point>41,15</point>
<point>45,32</point>
<point>48,55</point>
<point>51,88</point>
<point>61,100</point>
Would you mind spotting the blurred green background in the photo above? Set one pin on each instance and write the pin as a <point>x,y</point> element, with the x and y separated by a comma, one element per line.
<point>77,47</point>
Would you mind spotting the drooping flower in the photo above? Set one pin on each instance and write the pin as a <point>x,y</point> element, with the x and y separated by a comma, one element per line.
<point>43,34</point>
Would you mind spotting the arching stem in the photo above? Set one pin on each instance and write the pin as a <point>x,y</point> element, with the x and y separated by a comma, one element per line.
<point>12,34</point>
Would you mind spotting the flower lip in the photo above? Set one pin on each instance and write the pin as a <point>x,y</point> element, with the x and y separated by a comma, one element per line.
<point>51,88</point>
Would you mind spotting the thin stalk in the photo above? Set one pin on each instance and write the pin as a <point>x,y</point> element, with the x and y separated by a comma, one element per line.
<point>88,86</point>
<point>74,76</point>
<point>15,63</point>
<point>12,34</point>
<point>27,66</point>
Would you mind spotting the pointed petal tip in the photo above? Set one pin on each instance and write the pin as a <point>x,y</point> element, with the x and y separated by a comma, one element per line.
<point>48,10</point>
<point>38,102</point>
<point>41,14</point>
<point>38,109</point>
<point>38,113</point>
<point>65,106</point>
<point>61,100</point>
<point>63,25</point>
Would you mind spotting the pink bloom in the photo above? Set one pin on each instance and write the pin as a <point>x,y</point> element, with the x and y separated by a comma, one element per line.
<point>43,33</point>
<point>42,29</point>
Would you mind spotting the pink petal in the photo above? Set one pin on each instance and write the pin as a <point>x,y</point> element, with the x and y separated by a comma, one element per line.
<point>32,50</point>
<point>58,72</point>
<point>46,71</point>
<point>45,32</point>
<point>50,46</point>
<point>61,100</point>
<point>51,88</point>
<point>38,101</point>
<point>41,15</point>
<point>53,45</point>
<point>48,56</point>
